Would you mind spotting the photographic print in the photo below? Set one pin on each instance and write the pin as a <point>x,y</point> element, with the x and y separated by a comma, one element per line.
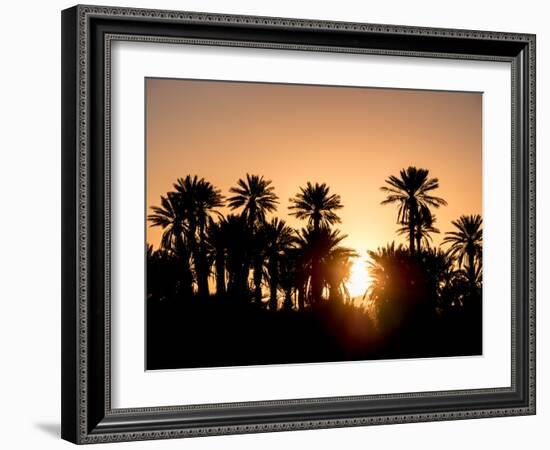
<point>264,220</point>
<point>292,223</point>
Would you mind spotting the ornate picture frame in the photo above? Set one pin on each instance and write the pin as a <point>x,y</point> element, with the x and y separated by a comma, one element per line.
<point>88,33</point>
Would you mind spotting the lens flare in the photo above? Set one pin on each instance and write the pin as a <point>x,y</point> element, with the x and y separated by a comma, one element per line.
<point>359,280</point>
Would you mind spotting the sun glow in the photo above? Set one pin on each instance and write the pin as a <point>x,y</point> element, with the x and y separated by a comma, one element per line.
<point>359,280</point>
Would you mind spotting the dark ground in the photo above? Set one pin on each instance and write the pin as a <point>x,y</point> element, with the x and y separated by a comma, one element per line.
<point>223,332</point>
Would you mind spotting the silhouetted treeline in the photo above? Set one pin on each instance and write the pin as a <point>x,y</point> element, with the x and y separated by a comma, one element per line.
<point>246,288</point>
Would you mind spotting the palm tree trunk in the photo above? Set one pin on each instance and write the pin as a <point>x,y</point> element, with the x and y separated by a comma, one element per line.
<point>194,250</point>
<point>472,270</point>
<point>316,280</point>
<point>411,236</point>
<point>202,265</point>
<point>412,226</point>
<point>186,279</point>
<point>232,273</point>
<point>273,282</point>
<point>257,279</point>
<point>243,288</point>
<point>186,274</point>
<point>220,273</point>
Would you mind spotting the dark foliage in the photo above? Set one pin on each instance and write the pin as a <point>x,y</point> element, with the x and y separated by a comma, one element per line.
<point>244,289</point>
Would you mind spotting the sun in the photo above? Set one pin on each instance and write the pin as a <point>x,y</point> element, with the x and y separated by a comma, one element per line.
<point>359,280</point>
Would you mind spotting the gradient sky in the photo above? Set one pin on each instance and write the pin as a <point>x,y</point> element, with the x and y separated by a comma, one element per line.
<point>350,138</point>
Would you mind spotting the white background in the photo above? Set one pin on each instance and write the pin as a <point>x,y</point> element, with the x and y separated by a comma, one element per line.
<point>132,387</point>
<point>30,225</point>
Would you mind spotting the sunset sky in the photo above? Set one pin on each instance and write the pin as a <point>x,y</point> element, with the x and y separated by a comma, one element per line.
<point>350,138</point>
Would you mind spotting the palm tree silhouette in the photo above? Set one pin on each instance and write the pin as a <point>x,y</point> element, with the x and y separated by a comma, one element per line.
<point>299,256</point>
<point>337,270</point>
<point>467,242</point>
<point>201,199</point>
<point>278,237</point>
<point>238,237</point>
<point>449,280</point>
<point>256,195</point>
<point>287,278</point>
<point>404,286</point>
<point>318,206</point>
<point>216,236</point>
<point>315,204</point>
<point>416,291</point>
<point>171,217</point>
<point>382,267</point>
<point>163,282</point>
<point>424,229</point>
<point>317,247</point>
<point>411,191</point>
<point>258,245</point>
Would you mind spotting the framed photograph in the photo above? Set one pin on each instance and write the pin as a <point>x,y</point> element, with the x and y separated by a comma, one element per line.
<point>281,224</point>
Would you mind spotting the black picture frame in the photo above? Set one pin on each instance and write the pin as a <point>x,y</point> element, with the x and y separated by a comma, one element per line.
<point>87,415</point>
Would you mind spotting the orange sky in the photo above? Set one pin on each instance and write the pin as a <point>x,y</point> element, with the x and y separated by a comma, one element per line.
<point>350,138</point>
